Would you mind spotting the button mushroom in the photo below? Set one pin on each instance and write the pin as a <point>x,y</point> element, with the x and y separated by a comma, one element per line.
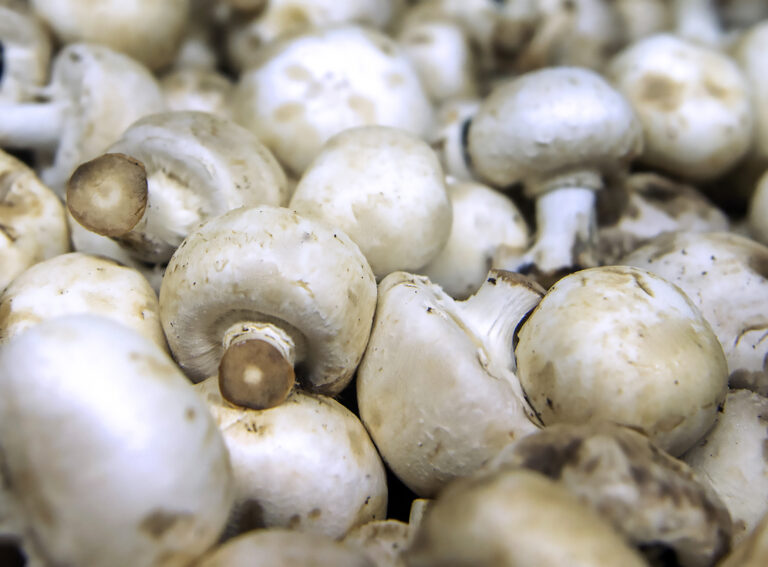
<point>25,52</point>
<point>109,457</point>
<point>622,344</point>
<point>256,292</point>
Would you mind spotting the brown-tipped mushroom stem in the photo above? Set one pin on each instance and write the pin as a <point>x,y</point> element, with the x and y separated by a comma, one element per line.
<point>256,370</point>
<point>108,195</point>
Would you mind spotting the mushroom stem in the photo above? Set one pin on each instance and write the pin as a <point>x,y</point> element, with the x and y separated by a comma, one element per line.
<point>256,370</point>
<point>697,20</point>
<point>30,125</point>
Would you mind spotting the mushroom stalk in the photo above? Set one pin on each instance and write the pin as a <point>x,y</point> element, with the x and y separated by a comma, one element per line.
<point>256,370</point>
<point>30,125</point>
<point>697,20</point>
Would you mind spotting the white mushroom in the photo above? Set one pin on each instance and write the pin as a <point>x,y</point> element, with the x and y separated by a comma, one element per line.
<point>166,174</point>
<point>622,344</point>
<point>437,388</point>
<point>109,457</point>
<point>383,187</point>
<point>752,551</point>
<point>94,94</point>
<point>307,88</point>
<point>79,283</point>
<point>449,136</point>
<point>33,226</point>
<point>201,89</point>
<point>757,215</point>
<point>557,131</point>
<point>733,457</point>
<point>147,30</point>
<point>25,53</point>
<point>258,292</point>
<point>307,464</point>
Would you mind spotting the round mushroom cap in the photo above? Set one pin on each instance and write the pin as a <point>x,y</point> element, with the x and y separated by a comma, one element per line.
<point>656,501</point>
<point>105,440</point>
<point>554,127</point>
<point>384,187</point>
<point>693,103</point>
<point>622,344</point>
<point>307,88</point>
<point>269,264</point>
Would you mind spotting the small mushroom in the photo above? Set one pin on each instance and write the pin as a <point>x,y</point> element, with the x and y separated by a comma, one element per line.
<point>305,89</point>
<point>557,131</point>
<point>515,518</point>
<point>109,457</point>
<point>79,283</point>
<point>259,292</point>
<point>25,54</point>
<point>733,457</point>
<point>383,187</point>
<point>384,541</point>
<point>33,225</point>
<point>200,89</point>
<point>93,95</point>
<point>437,388</point>
<point>166,174</point>
<point>622,344</point>
<point>307,465</point>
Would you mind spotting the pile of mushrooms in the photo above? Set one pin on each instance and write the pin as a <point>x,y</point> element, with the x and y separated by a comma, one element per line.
<point>383,283</point>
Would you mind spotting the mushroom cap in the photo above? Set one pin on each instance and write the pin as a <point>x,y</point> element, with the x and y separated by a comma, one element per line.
<point>515,518</point>
<point>752,551</point>
<point>622,344</point>
<point>757,215</point>
<point>33,222</point>
<point>437,393</point>
<point>80,283</point>
<point>201,89</point>
<point>384,541</point>
<point>654,500</point>
<point>146,30</point>
<point>104,440</point>
<point>732,456</point>
<point>270,264</point>
<point>307,464</point>
<point>693,103</point>
<point>383,187</point>
<point>26,54</point>
<point>547,128</point>
<point>726,277</point>
<point>749,53</point>
<point>305,89</point>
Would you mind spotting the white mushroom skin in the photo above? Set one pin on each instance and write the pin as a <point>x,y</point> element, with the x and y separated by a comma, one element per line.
<point>384,187</point>
<point>80,283</point>
<point>307,464</point>
<point>108,454</point>
<point>25,54</point>
<point>269,268</point>
<point>733,457</point>
<point>622,344</point>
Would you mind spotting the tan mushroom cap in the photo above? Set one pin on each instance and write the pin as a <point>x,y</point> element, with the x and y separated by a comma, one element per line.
<point>270,265</point>
<point>622,344</point>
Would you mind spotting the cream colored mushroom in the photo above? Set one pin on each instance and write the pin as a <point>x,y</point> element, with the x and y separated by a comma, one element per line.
<point>308,465</point>
<point>437,388</point>
<point>25,54</point>
<point>384,541</point>
<point>33,225</point>
<point>752,551</point>
<point>384,187</point>
<point>622,344</point>
<point>200,89</point>
<point>166,174</point>
<point>449,136</point>
<point>74,283</point>
<point>258,292</point>
<point>110,458</point>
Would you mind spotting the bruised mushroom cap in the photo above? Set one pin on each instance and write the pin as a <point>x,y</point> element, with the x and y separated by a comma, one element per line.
<point>25,53</point>
<point>693,103</point>
<point>307,88</point>
<point>726,277</point>
<point>622,344</point>
<point>104,440</point>
<point>307,464</point>
<point>436,387</point>
<point>278,547</point>
<point>269,264</point>
<point>146,30</point>
<point>654,500</point>
<point>33,223</point>
<point>733,457</point>
<point>515,517</point>
<point>80,283</point>
<point>548,127</point>
<point>383,187</point>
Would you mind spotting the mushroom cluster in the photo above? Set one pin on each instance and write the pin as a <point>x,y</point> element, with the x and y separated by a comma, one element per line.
<point>384,283</point>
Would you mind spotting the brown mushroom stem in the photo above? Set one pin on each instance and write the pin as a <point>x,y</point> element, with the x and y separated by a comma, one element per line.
<point>256,370</point>
<point>108,195</point>
<point>30,125</point>
<point>565,234</point>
